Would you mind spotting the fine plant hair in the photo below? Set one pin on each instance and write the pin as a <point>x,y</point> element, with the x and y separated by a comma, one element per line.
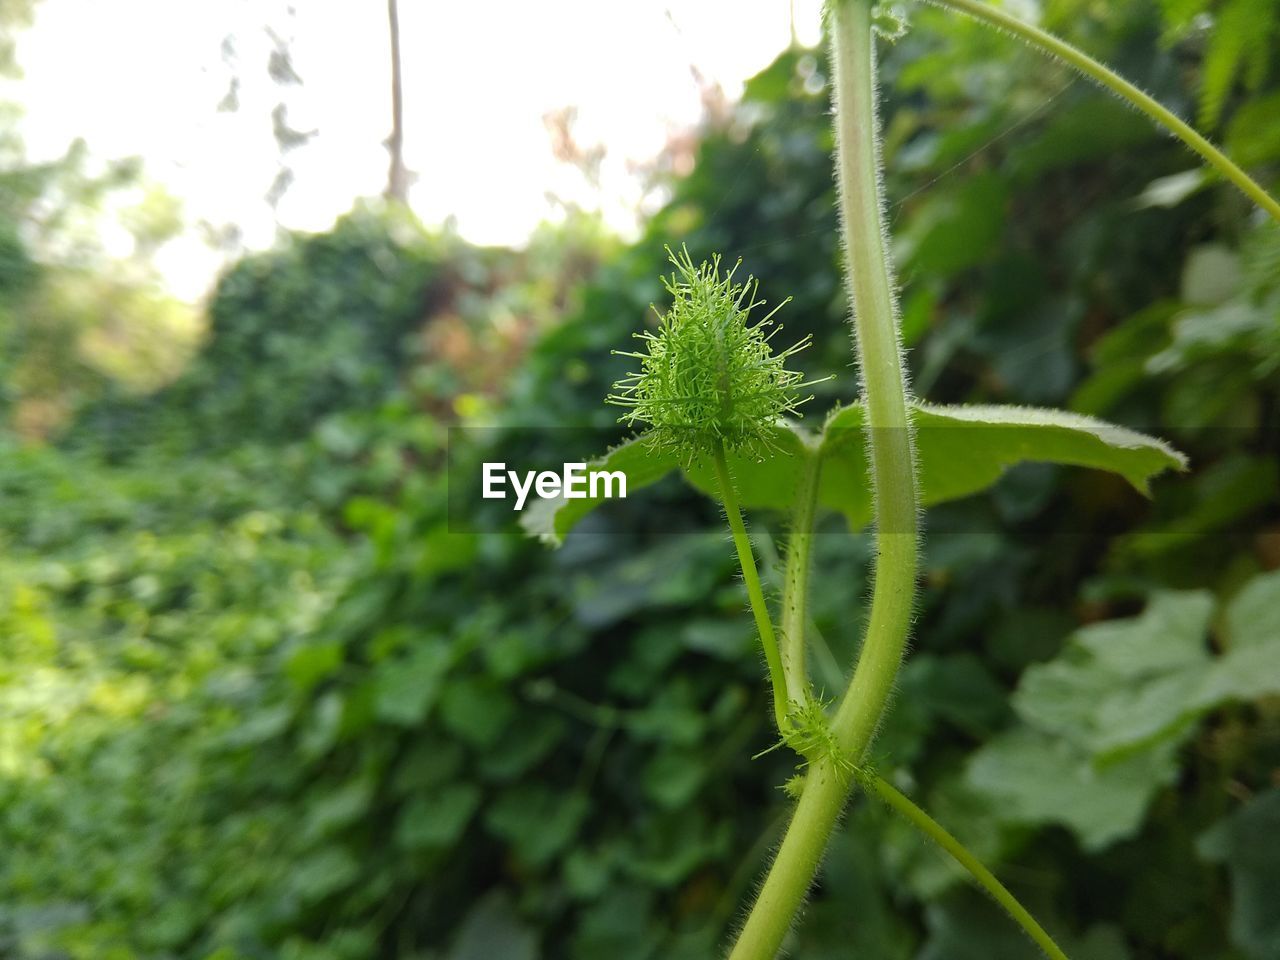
<point>715,399</point>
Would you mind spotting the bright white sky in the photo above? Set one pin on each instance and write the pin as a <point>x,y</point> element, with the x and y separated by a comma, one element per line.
<point>144,77</point>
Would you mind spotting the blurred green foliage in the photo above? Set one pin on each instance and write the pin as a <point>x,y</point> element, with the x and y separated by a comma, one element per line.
<point>78,325</point>
<point>256,699</point>
<point>318,325</point>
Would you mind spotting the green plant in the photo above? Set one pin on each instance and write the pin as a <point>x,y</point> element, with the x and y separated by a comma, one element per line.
<point>713,396</point>
<point>398,760</point>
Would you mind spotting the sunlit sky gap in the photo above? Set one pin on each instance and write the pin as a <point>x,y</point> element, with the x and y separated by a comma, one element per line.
<point>145,77</point>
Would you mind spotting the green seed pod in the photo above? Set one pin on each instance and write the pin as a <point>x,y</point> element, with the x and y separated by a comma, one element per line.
<point>710,377</point>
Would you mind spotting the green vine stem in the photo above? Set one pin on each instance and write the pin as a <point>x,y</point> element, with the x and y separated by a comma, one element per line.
<point>902,804</point>
<point>1122,88</point>
<point>795,584</point>
<point>890,441</point>
<point>891,456</point>
<point>893,477</point>
<point>747,560</point>
<point>825,791</point>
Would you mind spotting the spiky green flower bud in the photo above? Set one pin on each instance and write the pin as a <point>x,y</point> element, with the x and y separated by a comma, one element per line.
<point>710,376</point>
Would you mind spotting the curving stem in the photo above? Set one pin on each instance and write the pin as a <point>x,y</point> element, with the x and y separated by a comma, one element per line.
<point>1122,88</point>
<point>890,450</point>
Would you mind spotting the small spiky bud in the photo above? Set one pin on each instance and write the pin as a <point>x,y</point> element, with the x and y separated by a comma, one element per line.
<point>709,375</point>
<point>794,786</point>
<point>889,20</point>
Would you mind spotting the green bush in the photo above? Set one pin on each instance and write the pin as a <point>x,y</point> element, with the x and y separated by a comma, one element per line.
<point>323,323</point>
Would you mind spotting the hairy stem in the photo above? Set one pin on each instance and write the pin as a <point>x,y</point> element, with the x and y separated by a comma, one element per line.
<point>747,560</point>
<point>985,878</point>
<point>893,479</point>
<point>890,442</point>
<point>1122,88</point>
<point>825,790</point>
<point>795,588</point>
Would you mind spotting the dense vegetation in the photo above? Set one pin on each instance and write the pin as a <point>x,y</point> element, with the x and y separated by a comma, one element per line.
<point>258,700</point>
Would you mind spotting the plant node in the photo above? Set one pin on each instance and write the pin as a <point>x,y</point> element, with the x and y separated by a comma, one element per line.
<point>807,731</point>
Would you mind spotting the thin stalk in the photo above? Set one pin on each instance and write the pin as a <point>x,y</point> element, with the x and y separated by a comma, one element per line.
<point>890,448</point>
<point>1122,88</point>
<point>901,803</point>
<point>795,584</point>
<point>398,174</point>
<point>747,560</point>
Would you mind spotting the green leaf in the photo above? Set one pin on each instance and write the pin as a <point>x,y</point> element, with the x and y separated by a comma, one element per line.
<point>1252,626</point>
<point>332,810</point>
<point>723,639</point>
<point>954,229</point>
<point>673,777</point>
<point>619,927</point>
<point>1244,674</point>
<point>1172,190</point>
<point>492,928</point>
<point>957,688</point>
<point>1124,683</point>
<point>672,847</point>
<point>313,663</point>
<point>323,873</point>
<point>537,821</point>
<point>436,821</point>
<point>428,764</point>
<point>1253,136</point>
<point>1211,275</point>
<point>524,744</point>
<point>1111,711</point>
<point>1241,43</point>
<point>1253,860</point>
<point>1222,494</point>
<point>586,873</point>
<point>475,711</point>
<point>407,689</point>
<point>1089,129</point>
<point>962,450</point>
<point>1032,778</point>
<point>1253,616</point>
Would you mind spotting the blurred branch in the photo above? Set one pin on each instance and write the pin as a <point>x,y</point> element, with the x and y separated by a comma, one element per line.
<point>398,175</point>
